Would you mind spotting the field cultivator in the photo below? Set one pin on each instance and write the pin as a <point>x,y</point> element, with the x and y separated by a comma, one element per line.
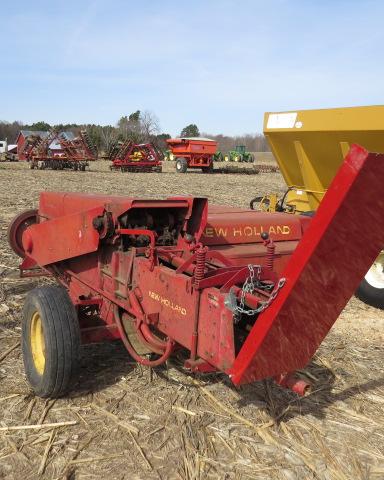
<point>237,169</point>
<point>248,293</point>
<point>69,154</point>
<point>263,168</point>
<point>193,152</point>
<point>131,157</point>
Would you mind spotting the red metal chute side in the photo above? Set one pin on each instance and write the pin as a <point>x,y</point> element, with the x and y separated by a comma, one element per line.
<point>288,333</point>
<point>186,146</point>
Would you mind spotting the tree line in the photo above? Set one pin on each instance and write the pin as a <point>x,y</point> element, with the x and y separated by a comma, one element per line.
<point>140,127</point>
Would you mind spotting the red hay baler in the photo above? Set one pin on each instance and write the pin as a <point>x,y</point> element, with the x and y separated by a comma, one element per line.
<point>247,293</point>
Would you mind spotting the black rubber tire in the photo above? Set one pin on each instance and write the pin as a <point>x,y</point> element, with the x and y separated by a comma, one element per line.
<point>370,295</point>
<point>181,165</point>
<point>208,169</point>
<point>61,334</point>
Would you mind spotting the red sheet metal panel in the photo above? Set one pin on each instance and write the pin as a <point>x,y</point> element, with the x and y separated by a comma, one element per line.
<point>180,146</point>
<point>256,254</point>
<point>62,238</point>
<point>246,226</point>
<point>323,273</point>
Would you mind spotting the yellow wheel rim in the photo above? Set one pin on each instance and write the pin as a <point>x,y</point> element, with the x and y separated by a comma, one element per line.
<point>38,343</point>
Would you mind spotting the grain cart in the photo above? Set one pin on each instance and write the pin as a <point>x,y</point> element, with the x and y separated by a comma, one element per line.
<point>251,294</point>
<point>310,146</point>
<point>130,157</point>
<point>193,153</point>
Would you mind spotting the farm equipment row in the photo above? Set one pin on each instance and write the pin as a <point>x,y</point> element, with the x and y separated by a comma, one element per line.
<point>127,156</point>
<point>73,154</point>
<point>247,293</point>
<point>130,157</point>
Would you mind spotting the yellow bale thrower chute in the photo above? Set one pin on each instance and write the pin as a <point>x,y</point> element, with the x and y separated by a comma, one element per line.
<point>309,146</point>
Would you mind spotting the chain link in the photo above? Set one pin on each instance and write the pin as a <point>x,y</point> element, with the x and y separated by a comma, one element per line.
<point>249,287</point>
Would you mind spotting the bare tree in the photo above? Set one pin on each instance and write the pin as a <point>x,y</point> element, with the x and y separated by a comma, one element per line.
<point>150,125</point>
<point>108,136</point>
<point>253,142</point>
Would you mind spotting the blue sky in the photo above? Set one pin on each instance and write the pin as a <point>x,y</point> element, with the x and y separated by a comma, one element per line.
<point>220,64</point>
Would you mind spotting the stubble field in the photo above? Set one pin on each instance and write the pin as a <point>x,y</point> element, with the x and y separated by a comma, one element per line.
<point>130,422</point>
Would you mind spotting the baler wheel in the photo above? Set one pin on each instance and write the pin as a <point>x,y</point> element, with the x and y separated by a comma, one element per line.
<point>181,165</point>
<point>17,227</point>
<point>50,341</point>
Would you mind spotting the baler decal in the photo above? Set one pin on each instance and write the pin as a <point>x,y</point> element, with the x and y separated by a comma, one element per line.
<point>246,231</point>
<point>167,302</point>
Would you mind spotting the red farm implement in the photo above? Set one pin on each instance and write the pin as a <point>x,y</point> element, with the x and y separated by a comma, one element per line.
<point>248,293</point>
<point>193,153</point>
<point>57,152</point>
<point>131,157</point>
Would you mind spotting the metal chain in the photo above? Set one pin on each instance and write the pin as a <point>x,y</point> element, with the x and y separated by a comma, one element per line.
<point>249,287</point>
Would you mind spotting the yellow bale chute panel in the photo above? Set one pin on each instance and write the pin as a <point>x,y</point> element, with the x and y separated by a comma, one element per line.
<point>310,145</point>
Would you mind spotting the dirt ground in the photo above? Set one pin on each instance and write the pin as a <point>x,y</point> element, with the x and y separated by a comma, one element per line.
<point>130,422</point>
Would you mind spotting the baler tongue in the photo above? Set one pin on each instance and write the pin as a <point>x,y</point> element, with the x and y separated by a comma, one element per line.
<point>343,240</point>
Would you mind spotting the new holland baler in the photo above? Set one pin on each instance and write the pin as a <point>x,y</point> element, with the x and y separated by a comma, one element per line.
<point>247,293</point>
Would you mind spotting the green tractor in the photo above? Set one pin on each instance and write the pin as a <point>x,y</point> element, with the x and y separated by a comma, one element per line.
<point>218,157</point>
<point>169,156</point>
<point>239,154</point>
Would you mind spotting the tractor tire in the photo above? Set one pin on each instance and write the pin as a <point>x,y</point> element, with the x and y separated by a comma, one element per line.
<point>371,288</point>
<point>181,165</point>
<point>50,341</point>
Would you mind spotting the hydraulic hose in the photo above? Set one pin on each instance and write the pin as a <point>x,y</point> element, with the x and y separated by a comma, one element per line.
<point>143,361</point>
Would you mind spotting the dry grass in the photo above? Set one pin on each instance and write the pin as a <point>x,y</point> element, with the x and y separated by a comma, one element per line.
<point>166,424</point>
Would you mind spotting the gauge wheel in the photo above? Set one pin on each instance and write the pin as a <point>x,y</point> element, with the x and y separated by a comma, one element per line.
<point>50,341</point>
